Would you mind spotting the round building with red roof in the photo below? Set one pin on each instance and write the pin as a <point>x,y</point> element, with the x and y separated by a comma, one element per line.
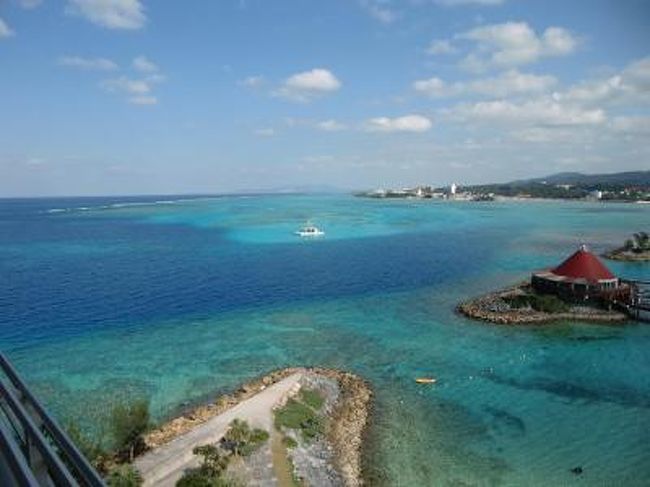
<point>581,276</point>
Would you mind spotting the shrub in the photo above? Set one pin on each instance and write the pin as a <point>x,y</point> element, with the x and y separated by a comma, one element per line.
<point>289,442</point>
<point>124,476</point>
<point>210,473</point>
<point>242,440</point>
<point>546,303</point>
<point>214,461</point>
<point>197,478</point>
<point>311,427</point>
<point>549,304</point>
<point>128,423</point>
<point>91,448</point>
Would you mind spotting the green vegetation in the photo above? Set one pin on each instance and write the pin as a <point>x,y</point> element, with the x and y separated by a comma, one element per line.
<point>545,303</point>
<point>312,398</point>
<point>90,447</point>
<point>197,478</point>
<point>239,440</point>
<point>209,473</point>
<point>302,414</point>
<point>124,476</point>
<point>625,186</point>
<point>639,243</point>
<point>242,440</point>
<point>128,424</point>
<point>289,442</point>
<point>532,190</point>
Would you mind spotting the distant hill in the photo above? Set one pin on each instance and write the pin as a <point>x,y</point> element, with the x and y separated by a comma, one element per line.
<point>621,186</point>
<point>635,178</point>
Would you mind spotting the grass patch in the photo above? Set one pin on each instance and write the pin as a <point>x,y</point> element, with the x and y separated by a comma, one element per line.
<point>293,414</point>
<point>301,414</point>
<point>312,398</point>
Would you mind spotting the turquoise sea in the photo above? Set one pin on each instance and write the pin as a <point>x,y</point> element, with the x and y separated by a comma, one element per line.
<point>176,300</point>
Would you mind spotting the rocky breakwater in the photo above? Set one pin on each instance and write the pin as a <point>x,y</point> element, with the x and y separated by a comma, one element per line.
<point>348,424</point>
<point>626,255</point>
<point>521,305</point>
<point>333,459</point>
<point>190,419</point>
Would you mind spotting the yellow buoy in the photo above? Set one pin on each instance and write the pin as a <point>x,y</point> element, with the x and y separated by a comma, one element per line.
<point>426,380</point>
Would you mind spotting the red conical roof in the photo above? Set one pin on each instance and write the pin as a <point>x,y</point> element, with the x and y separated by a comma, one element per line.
<point>583,265</point>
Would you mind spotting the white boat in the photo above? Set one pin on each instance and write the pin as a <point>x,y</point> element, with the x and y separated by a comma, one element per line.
<point>310,231</point>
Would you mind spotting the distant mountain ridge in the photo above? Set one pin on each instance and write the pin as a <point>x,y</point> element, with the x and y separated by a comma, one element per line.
<point>579,179</point>
<point>620,186</point>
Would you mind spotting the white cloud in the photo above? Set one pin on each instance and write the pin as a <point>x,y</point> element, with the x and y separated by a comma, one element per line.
<point>441,46</point>
<point>557,41</point>
<point>331,125</point>
<point>406,123</point>
<point>144,65</point>
<point>265,132</point>
<point>143,100</point>
<point>140,90</point>
<point>90,64</point>
<point>29,4</point>
<point>509,83</point>
<point>631,85</point>
<point>514,43</point>
<point>436,87</point>
<point>318,159</point>
<point>253,81</point>
<point>513,82</point>
<point>378,10</point>
<point>592,91</point>
<point>309,84</point>
<point>544,135</point>
<point>543,111</point>
<point>5,31</point>
<point>112,14</point>
<point>383,15</point>
<point>155,78</point>
<point>35,161</point>
<point>127,85</point>
<point>454,3</point>
<point>314,80</point>
<point>637,75</point>
<point>635,125</point>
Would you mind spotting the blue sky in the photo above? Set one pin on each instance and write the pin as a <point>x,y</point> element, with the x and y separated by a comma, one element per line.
<point>136,96</point>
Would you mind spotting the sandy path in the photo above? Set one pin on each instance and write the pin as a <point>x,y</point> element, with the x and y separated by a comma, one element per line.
<point>164,465</point>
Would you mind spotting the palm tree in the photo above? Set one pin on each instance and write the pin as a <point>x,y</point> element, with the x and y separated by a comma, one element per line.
<point>215,462</point>
<point>239,435</point>
<point>641,242</point>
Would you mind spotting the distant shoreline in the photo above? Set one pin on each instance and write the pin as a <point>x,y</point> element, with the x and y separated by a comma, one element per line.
<point>623,255</point>
<point>499,198</point>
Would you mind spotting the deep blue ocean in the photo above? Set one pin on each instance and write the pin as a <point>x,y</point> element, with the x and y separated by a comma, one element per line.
<point>178,299</point>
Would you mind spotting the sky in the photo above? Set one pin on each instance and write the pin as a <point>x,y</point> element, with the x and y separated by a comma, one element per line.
<point>102,97</point>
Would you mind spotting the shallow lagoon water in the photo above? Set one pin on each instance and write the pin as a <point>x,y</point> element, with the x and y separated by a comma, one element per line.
<point>179,300</point>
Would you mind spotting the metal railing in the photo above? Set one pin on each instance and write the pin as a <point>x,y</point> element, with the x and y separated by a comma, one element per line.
<point>34,449</point>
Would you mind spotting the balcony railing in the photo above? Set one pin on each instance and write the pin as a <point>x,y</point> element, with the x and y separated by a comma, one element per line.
<point>34,449</point>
